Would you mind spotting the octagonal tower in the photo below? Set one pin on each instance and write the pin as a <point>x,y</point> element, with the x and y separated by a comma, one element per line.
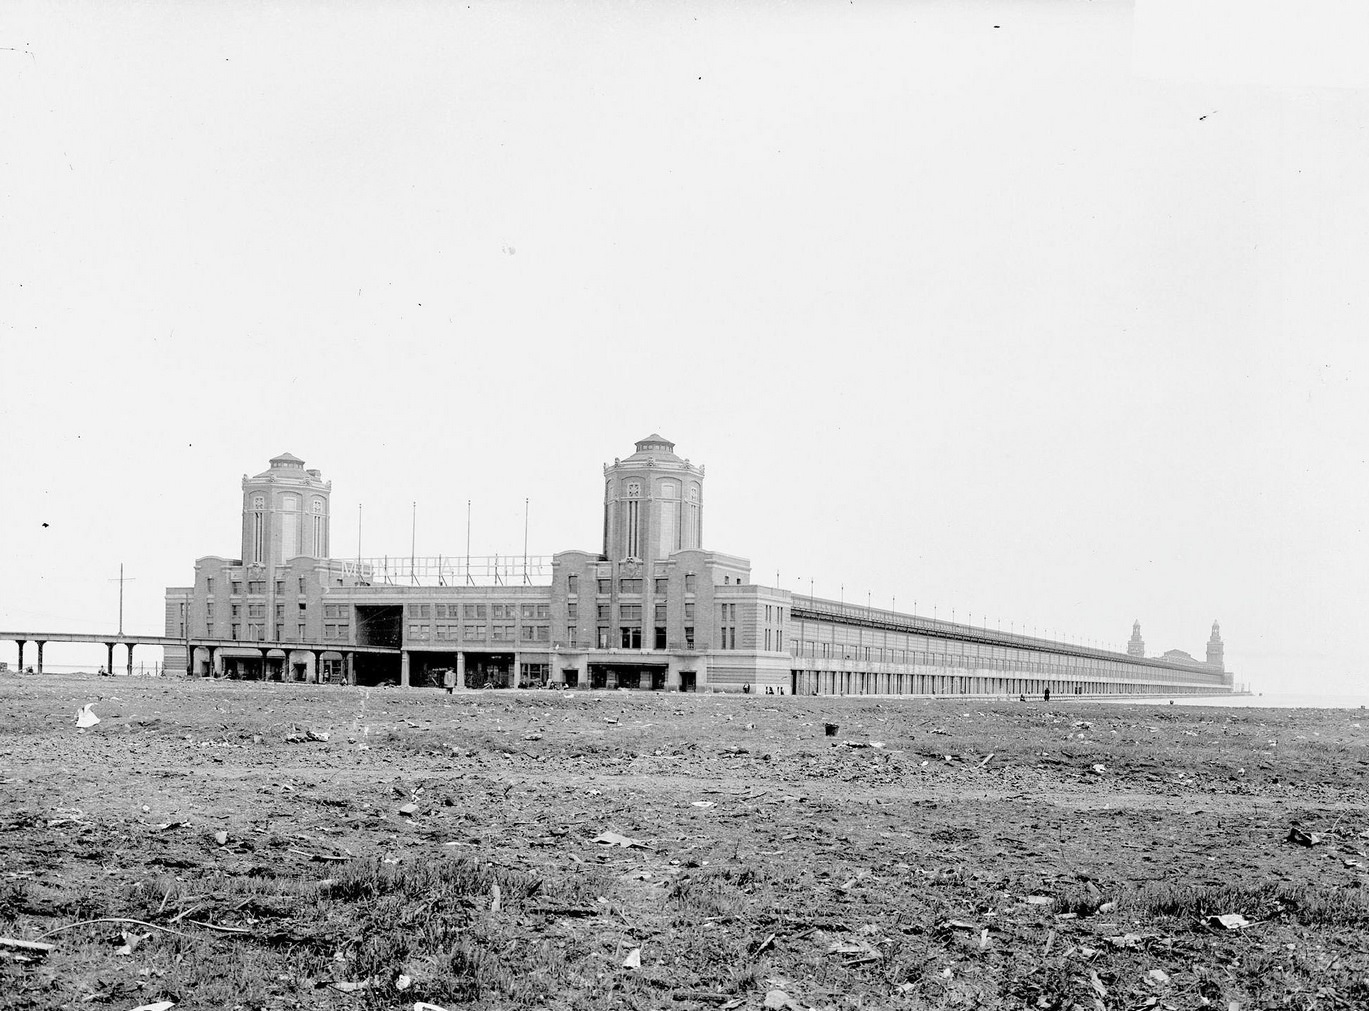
<point>653,503</point>
<point>284,513</point>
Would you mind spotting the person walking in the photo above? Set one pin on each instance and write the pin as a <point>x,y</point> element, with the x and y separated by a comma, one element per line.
<point>449,680</point>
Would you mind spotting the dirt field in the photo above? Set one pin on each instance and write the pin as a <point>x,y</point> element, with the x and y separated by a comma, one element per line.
<point>231,845</point>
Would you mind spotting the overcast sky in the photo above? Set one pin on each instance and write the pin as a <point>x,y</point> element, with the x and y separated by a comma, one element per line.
<point>1051,313</point>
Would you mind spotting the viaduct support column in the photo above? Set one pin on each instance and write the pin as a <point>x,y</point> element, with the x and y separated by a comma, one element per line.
<point>404,668</point>
<point>516,675</point>
<point>129,646</point>
<point>461,670</point>
<point>109,663</point>
<point>41,644</point>
<point>20,643</point>
<point>349,668</point>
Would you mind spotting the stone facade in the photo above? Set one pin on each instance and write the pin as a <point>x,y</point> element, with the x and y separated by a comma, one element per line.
<point>652,610</point>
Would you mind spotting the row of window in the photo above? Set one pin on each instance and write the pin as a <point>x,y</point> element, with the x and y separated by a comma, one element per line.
<point>496,611</point>
<point>495,632</point>
<point>632,585</point>
<point>631,612</point>
<point>630,637</point>
<point>876,654</point>
<point>255,587</point>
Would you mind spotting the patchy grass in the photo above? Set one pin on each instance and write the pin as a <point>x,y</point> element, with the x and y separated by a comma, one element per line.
<point>361,871</point>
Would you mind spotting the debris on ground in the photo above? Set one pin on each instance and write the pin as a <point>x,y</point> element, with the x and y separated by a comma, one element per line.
<point>1228,921</point>
<point>614,839</point>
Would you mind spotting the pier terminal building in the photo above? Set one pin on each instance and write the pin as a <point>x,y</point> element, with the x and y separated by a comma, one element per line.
<point>653,609</point>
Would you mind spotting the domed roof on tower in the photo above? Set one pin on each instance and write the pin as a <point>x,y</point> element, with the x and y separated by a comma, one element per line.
<point>289,460</point>
<point>1216,632</point>
<point>656,447</point>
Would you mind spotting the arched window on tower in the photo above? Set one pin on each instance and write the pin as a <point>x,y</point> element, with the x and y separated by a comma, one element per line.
<point>668,531</point>
<point>692,534</point>
<point>633,529</point>
<point>258,528</point>
<point>318,547</point>
<point>289,526</point>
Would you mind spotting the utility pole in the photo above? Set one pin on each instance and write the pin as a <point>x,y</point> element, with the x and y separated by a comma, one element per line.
<point>413,540</point>
<point>526,580</point>
<point>469,580</point>
<point>121,595</point>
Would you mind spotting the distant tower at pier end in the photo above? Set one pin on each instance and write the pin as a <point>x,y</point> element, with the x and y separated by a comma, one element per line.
<point>1214,648</point>
<point>1136,646</point>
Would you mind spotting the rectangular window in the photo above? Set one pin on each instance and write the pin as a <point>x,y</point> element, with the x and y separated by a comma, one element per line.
<point>630,637</point>
<point>541,633</point>
<point>501,633</point>
<point>691,582</point>
<point>256,610</point>
<point>235,586</point>
<point>572,584</point>
<point>302,608</point>
<point>570,634</point>
<point>236,610</point>
<point>420,611</point>
<point>280,586</point>
<point>661,585</point>
<point>767,639</point>
<point>527,633</point>
<point>630,612</point>
<point>474,632</point>
<point>660,637</point>
<point>528,610</point>
<point>301,584</point>
<point>257,586</point>
<point>300,633</point>
<point>629,586</point>
<point>689,636</point>
<point>209,627</point>
<point>689,612</point>
<point>603,637</point>
<point>572,612</point>
<point>604,611</point>
<point>605,585</point>
<point>473,611</point>
<point>208,584</point>
<point>544,610</point>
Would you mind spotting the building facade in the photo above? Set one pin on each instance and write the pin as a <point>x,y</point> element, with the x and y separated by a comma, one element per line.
<point>651,610</point>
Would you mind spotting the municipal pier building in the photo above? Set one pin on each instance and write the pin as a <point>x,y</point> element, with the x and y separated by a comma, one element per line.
<point>653,610</point>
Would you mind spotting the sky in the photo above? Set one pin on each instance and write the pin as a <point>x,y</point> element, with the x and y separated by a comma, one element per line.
<point>1045,314</point>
